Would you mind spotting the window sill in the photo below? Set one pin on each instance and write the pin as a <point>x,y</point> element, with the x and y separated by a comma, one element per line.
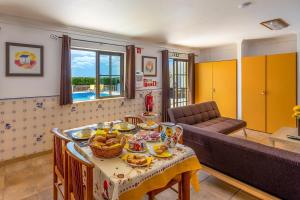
<point>103,99</point>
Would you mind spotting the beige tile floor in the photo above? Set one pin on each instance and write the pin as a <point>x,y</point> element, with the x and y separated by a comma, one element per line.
<point>32,179</point>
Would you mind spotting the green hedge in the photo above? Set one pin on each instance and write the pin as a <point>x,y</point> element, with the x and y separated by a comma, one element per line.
<point>83,81</point>
<point>92,81</point>
<point>106,80</point>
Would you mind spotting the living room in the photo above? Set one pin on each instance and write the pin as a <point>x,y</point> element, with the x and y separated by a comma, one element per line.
<point>181,102</point>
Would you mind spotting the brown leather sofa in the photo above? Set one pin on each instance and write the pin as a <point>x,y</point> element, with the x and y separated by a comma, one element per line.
<point>272,170</point>
<point>205,116</point>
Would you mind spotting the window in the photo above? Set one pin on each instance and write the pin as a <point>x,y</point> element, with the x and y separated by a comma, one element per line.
<point>110,74</point>
<point>92,68</point>
<point>178,70</point>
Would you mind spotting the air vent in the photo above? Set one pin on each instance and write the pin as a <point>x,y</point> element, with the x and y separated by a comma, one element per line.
<point>275,24</point>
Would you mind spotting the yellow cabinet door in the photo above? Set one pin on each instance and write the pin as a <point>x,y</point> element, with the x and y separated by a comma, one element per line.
<point>225,87</point>
<point>253,92</point>
<point>281,91</point>
<point>203,82</point>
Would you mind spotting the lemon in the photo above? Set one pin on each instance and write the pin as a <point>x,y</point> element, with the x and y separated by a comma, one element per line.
<point>296,108</point>
<point>297,114</point>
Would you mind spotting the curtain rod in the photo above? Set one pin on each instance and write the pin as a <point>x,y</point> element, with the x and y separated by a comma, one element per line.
<point>90,41</point>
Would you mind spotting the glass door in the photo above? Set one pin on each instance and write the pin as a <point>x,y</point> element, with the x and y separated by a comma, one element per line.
<point>178,69</point>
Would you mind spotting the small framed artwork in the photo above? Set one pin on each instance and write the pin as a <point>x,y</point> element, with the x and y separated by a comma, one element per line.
<point>24,59</point>
<point>149,66</point>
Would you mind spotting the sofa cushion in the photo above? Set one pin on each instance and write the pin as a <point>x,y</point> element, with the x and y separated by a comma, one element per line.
<point>221,125</point>
<point>193,114</point>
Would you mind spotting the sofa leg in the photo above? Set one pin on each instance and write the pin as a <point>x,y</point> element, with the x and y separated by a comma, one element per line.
<point>245,133</point>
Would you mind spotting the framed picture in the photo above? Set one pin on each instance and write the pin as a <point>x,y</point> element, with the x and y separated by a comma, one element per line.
<point>149,66</point>
<point>24,59</point>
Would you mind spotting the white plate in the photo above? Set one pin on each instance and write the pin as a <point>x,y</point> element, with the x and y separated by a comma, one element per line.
<point>150,116</point>
<point>130,127</point>
<point>76,135</point>
<point>152,152</point>
<point>146,127</point>
<point>134,165</point>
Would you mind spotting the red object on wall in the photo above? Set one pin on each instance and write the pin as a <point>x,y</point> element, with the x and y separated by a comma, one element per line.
<point>149,83</point>
<point>149,102</point>
<point>138,50</point>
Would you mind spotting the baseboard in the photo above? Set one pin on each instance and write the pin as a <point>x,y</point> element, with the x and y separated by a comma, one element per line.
<point>238,184</point>
<point>7,162</point>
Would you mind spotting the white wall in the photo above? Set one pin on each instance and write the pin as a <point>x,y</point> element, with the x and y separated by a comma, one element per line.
<point>239,78</point>
<point>12,87</point>
<point>268,46</point>
<point>15,87</point>
<point>224,52</point>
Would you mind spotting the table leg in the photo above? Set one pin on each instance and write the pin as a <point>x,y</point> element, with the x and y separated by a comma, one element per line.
<point>180,189</point>
<point>186,178</point>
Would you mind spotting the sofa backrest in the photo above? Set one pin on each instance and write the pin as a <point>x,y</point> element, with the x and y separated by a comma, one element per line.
<point>193,114</point>
<point>272,170</point>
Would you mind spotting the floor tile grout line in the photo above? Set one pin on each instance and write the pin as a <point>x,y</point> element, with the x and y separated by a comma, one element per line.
<point>205,179</point>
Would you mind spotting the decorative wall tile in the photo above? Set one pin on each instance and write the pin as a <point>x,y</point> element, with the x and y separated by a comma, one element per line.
<point>25,123</point>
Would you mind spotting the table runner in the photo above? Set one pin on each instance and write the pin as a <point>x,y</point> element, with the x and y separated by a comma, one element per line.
<point>116,180</point>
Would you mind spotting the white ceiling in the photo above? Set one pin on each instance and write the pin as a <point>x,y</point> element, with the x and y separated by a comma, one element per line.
<point>194,23</point>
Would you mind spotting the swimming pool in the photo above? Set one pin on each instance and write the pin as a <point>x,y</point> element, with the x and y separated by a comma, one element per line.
<point>86,95</point>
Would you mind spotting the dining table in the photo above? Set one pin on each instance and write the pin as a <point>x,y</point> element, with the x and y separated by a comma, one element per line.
<point>114,179</point>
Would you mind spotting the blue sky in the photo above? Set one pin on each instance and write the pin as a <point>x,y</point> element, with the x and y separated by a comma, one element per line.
<point>83,64</point>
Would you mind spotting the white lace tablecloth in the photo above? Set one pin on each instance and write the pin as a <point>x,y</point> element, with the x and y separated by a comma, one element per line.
<point>113,176</point>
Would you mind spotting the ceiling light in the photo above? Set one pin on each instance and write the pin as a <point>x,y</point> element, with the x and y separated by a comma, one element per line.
<point>245,4</point>
<point>275,24</point>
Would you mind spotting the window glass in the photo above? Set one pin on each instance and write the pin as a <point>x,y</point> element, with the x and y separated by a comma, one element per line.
<point>116,65</point>
<point>104,65</point>
<point>111,83</point>
<point>83,68</point>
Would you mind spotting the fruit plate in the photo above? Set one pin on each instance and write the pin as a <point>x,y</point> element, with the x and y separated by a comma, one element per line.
<point>148,158</point>
<point>146,127</point>
<point>149,115</point>
<point>79,136</point>
<point>167,154</point>
<point>146,135</point>
<point>133,151</point>
<point>129,127</point>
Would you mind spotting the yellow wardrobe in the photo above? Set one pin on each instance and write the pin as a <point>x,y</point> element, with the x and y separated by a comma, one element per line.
<point>217,81</point>
<point>269,91</point>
